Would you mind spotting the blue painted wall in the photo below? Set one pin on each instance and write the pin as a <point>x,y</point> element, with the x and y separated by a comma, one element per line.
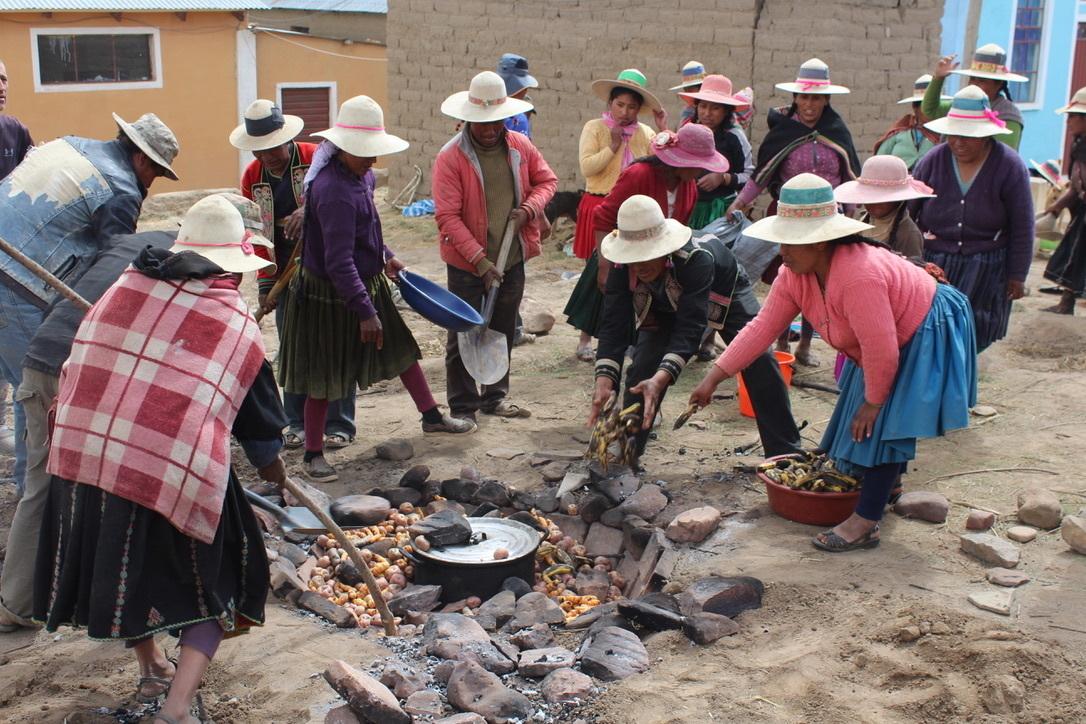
<point>1044,129</point>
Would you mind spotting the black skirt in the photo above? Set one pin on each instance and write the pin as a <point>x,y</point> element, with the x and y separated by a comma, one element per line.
<point>1067,267</point>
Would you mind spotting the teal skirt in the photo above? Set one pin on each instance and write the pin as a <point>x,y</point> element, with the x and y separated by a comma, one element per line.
<point>706,212</point>
<point>935,386</point>
<point>585,305</point>
<point>323,355</point>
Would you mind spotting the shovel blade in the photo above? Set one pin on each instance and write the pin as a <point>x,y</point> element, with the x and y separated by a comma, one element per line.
<point>485,355</point>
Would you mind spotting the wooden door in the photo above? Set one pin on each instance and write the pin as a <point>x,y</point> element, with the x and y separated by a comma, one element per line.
<point>313,104</point>
<point>1078,80</point>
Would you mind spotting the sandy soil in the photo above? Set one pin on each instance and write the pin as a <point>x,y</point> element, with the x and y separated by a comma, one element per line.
<point>825,644</point>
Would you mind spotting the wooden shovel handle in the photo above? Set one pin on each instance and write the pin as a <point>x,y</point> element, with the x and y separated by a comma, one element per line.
<point>44,274</point>
<point>283,280</point>
<point>352,553</point>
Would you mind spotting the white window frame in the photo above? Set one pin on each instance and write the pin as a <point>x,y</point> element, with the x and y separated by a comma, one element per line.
<point>1042,66</point>
<point>333,95</point>
<point>156,61</point>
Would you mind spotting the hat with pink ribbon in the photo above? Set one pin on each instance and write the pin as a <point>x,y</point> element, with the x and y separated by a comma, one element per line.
<point>716,89</point>
<point>884,180</point>
<point>360,130</point>
<point>970,115</point>
<point>485,101</point>
<point>692,147</point>
<point>215,228</point>
<point>813,78</point>
<point>807,213</point>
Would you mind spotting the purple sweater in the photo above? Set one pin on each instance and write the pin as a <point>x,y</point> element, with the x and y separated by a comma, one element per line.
<point>343,241</point>
<point>996,212</point>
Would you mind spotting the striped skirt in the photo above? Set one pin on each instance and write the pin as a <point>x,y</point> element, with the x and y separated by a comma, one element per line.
<point>983,279</point>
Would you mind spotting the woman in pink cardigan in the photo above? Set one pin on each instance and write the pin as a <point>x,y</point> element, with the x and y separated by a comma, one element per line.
<point>911,370</point>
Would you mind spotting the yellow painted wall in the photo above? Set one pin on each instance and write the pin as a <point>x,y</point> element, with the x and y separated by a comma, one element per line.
<point>356,69</point>
<point>198,99</point>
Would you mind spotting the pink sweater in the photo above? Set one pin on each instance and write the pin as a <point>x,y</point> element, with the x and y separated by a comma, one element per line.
<point>873,304</point>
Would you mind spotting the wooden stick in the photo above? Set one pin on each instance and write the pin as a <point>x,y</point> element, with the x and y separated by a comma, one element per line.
<point>1067,628</point>
<point>352,553</point>
<point>990,470</point>
<point>283,280</point>
<point>42,273</point>
<point>814,386</point>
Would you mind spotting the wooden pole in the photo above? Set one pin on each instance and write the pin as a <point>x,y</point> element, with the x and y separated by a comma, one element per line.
<point>283,280</point>
<point>352,553</point>
<point>42,273</point>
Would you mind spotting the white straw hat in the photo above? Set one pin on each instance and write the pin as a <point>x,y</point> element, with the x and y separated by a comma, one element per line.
<point>154,138</point>
<point>360,130</point>
<point>990,61</point>
<point>485,101</point>
<point>970,115</point>
<point>264,126</point>
<point>920,86</point>
<point>693,73</point>
<point>213,228</point>
<point>806,214</point>
<point>813,78</point>
<point>1077,104</point>
<point>643,233</point>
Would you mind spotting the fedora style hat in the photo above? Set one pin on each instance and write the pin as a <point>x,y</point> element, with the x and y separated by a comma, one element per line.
<point>154,138</point>
<point>806,214</point>
<point>513,69</point>
<point>643,233</point>
<point>264,126</point>
<point>630,78</point>
<point>692,74</point>
<point>920,86</point>
<point>884,179</point>
<point>692,147</point>
<point>813,78</point>
<point>485,101</point>
<point>990,61</point>
<point>213,228</point>
<point>1077,104</point>
<point>716,89</point>
<point>970,115</point>
<point>360,130</point>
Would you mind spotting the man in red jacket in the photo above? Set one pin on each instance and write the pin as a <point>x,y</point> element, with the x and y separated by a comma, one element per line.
<point>485,178</point>
<point>274,181</point>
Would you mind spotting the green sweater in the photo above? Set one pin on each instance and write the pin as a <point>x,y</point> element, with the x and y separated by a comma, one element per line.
<point>903,145</point>
<point>934,107</point>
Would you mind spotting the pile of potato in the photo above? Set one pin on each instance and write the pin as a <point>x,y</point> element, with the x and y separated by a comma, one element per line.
<point>558,561</point>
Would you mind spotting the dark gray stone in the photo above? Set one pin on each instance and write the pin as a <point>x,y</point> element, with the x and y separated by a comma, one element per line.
<point>356,510</point>
<point>538,636</point>
<point>570,525</point>
<point>619,487</point>
<point>704,628</point>
<point>496,611</point>
<point>614,654</point>
<point>656,618</point>
<point>613,518</point>
<point>492,491</point>
<point>415,598</point>
<point>368,698</point>
<point>592,583</point>
<point>518,586</point>
<point>341,617</point>
<point>405,680</point>
<point>487,655</point>
<point>398,496</point>
<point>396,450</point>
<point>473,688</point>
<point>537,663</point>
<point>727,596</point>
<point>603,540</point>
<point>484,510</point>
<point>533,608</point>
<point>646,503</point>
<point>523,516</point>
<point>593,506</point>
<point>444,528</point>
<point>636,534</point>
<point>461,490</point>
<point>446,633</point>
<point>415,477</point>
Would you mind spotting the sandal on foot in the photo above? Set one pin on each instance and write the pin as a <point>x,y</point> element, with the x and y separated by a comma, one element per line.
<point>337,440</point>
<point>895,495</point>
<point>292,440</point>
<point>585,353</point>
<point>508,409</point>
<point>319,471</point>
<point>836,544</point>
<point>146,697</point>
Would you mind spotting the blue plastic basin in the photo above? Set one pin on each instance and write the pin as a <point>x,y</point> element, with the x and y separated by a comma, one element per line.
<point>438,304</point>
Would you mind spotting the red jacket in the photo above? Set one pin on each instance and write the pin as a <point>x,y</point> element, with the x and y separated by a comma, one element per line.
<point>646,179</point>
<point>461,202</point>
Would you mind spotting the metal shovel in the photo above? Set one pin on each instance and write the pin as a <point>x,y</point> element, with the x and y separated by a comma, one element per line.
<point>485,353</point>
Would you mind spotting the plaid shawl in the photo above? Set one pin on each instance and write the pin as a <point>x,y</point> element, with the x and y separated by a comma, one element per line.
<point>147,400</point>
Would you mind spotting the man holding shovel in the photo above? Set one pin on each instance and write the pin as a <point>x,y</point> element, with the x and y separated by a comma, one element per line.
<point>57,208</point>
<point>485,180</point>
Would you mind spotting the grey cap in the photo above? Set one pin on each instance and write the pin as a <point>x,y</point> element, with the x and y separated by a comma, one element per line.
<point>154,138</point>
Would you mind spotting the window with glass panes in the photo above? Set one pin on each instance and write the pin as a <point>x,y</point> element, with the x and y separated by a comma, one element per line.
<point>1026,53</point>
<point>95,58</point>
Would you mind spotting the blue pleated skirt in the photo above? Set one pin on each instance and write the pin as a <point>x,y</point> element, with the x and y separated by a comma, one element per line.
<point>935,386</point>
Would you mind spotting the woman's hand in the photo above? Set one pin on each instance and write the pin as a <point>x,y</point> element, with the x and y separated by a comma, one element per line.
<point>602,272</point>
<point>944,65</point>
<point>1015,289</point>
<point>863,423</point>
<point>702,395</point>
<point>393,267</point>
<point>711,181</point>
<point>736,206</point>
<point>605,390</point>
<point>660,116</point>
<point>652,389</point>
<point>371,332</point>
<point>616,138</point>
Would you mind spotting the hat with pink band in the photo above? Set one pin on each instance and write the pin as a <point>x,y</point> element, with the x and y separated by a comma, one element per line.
<point>970,115</point>
<point>692,147</point>
<point>883,180</point>
<point>814,79</point>
<point>360,130</point>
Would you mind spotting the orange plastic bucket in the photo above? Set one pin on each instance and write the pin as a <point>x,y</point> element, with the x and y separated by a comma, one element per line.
<point>785,360</point>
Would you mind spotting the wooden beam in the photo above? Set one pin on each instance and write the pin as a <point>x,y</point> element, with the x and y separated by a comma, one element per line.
<point>117,16</point>
<point>239,15</point>
<point>182,16</point>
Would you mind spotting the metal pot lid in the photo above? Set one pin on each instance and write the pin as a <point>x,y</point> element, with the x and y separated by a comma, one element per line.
<point>491,533</point>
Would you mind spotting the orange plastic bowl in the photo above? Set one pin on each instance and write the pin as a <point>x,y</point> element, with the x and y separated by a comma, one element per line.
<point>803,506</point>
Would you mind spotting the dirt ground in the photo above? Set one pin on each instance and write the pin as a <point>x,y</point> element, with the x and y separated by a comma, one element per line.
<point>825,644</point>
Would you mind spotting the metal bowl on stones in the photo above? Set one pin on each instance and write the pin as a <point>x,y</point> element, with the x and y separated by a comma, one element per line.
<point>470,569</point>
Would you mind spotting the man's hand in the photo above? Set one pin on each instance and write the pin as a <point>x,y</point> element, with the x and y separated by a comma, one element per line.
<point>605,389</point>
<point>292,228</point>
<point>602,272</point>
<point>265,306</point>
<point>370,331</point>
<point>393,267</point>
<point>275,472</point>
<point>1015,289</point>
<point>944,65</point>
<point>863,422</point>
<point>491,278</point>
<point>519,216</point>
<point>651,389</point>
<point>702,395</point>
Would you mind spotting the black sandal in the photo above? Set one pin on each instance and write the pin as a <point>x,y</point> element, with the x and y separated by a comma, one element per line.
<point>836,544</point>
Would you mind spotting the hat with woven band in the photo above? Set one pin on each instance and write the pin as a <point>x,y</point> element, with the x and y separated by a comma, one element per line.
<point>1077,104</point>
<point>485,101</point>
<point>920,86</point>
<point>632,79</point>
<point>970,115</point>
<point>643,233</point>
<point>806,214</point>
<point>990,61</point>
<point>692,74</point>
<point>813,79</point>
<point>883,180</point>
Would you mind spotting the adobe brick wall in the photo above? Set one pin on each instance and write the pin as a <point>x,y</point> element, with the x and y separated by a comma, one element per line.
<point>876,47</point>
